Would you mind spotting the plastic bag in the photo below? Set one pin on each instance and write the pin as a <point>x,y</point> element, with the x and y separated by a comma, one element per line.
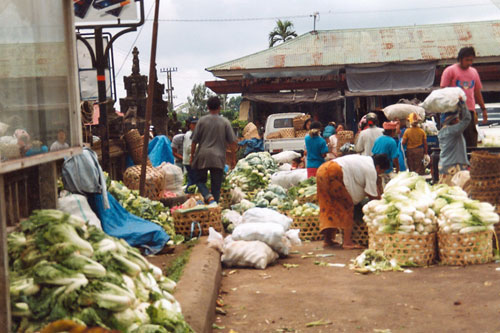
<point>76,204</point>
<point>285,167</point>
<point>460,178</point>
<point>443,100</point>
<point>289,179</point>
<point>293,236</point>
<point>272,234</point>
<point>266,215</point>
<point>402,111</point>
<point>174,178</point>
<point>248,254</point>
<point>233,217</point>
<point>215,240</point>
<point>286,157</point>
<point>236,195</point>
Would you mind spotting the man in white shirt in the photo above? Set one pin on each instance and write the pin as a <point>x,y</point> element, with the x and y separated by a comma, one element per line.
<point>177,146</point>
<point>61,143</point>
<point>186,151</point>
<point>367,137</point>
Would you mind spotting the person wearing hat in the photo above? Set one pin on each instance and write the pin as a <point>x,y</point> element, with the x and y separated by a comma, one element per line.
<point>186,150</point>
<point>386,144</point>
<point>415,140</point>
<point>367,137</point>
<point>453,155</point>
<point>316,149</point>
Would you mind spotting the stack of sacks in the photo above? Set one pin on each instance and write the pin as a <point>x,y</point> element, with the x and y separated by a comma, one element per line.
<point>258,240</point>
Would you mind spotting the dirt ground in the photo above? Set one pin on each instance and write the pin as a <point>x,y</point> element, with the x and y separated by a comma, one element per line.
<point>434,299</point>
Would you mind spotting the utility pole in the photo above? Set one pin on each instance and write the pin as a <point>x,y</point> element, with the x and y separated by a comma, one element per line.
<point>315,15</point>
<point>170,87</point>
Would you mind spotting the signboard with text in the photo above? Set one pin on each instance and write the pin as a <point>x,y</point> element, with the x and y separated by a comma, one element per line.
<point>106,12</point>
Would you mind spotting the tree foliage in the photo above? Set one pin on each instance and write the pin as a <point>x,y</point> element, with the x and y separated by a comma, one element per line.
<point>198,100</point>
<point>281,33</point>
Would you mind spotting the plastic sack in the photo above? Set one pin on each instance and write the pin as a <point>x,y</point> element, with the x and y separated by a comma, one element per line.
<point>248,254</point>
<point>233,217</point>
<point>430,127</point>
<point>443,100</point>
<point>236,195</point>
<point>289,179</point>
<point>403,111</point>
<point>286,157</point>
<point>215,240</point>
<point>266,215</point>
<point>174,178</point>
<point>461,178</point>
<point>76,204</point>
<point>272,234</point>
<point>285,167</point>
<point>293,236</point>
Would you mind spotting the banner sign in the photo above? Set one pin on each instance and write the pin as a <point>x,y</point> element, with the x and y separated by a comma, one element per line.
<point>105,12</point>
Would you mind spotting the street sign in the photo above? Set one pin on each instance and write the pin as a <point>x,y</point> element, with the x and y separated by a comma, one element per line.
<point>106,12</point>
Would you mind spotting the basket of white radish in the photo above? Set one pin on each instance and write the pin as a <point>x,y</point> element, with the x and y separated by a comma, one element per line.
<point>306,218</point>
<point>465,249</point>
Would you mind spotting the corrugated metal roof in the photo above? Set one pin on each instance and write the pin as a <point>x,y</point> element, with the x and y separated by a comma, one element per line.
<point>374,45</point>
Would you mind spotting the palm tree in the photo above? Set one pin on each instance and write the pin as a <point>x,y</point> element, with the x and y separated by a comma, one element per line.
<point>281,33</point>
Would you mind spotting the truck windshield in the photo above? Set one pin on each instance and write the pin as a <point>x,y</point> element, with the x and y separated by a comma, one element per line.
<point>283,123</point>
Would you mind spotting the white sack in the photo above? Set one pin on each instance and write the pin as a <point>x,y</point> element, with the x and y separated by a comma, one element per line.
<point>270,233</point>
<point>402,111</point>
<point>286,157</point>
<point>174,178</point>
<point>443,100</point>
<point>233,216</point>
<point>266,215</point>
<point>460,178</point>
<point>215,240</point>
<point>289,179</point>
<point>76,204</point>
<point>293,236</point>
<point>236,195</point>
<point>248,254</point>
<point>285,167</point>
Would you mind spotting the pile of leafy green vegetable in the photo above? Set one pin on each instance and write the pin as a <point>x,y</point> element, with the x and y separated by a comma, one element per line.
<point>145,208</point>
<point>60,268</point>
<point>253,172</point>
<point>304,189</point>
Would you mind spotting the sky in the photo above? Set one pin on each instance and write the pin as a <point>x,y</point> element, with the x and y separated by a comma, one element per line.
<point>191,46</point>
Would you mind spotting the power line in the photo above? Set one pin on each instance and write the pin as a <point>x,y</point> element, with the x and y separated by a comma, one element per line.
<point>337,13</point>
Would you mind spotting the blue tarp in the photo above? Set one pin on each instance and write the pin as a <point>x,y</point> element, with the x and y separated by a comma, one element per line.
<point>159,151</point>
<point>119,223</point>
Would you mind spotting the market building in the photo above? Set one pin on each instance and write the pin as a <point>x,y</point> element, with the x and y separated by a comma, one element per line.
<point>341,75</point>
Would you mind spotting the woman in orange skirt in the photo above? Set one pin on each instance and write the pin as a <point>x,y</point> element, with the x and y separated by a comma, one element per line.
<point>343,183</point>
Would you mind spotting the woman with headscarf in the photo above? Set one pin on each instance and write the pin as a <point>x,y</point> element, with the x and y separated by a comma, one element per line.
<point>316,149</point>
<point>416,141</point>
<point>333,141</point>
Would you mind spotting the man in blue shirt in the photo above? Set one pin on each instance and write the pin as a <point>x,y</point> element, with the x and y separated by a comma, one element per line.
<point>316,149</point>
<point>386,144</point>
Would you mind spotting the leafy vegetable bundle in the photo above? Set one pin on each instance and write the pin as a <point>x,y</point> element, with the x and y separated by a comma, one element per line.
<point>253,172</point>
<point>59,268</point>
<point>272,196</point>
<point>304,189</point>
<point>308,209</point>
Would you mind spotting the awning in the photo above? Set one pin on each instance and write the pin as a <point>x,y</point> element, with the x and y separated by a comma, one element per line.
<point>491,86</point>
<point>389,92</point>
<point>290,73</point>
<point>390,77</point>
<point>295,97</point>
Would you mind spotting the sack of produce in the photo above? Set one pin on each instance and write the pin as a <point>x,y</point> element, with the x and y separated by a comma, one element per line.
<point>286,157</point>
<point>250,131</point>
<point>248,254</point>
<point>77,205</point>
<point>443,100</point>
<point>174,178</point>
<point>289,179</point>
<point>9,149</point>
<point>285,167</point>
<point>266,215</point>
<point>402,111</point>
<point>272,234</point>
<point>215,240</point>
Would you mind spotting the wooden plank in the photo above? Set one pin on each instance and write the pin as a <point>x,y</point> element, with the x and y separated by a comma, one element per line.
<point>26,162</point>
<point>48,185</point>
<point>5,319</point>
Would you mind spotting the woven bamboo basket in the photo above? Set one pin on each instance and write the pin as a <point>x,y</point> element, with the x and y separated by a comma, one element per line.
<point>274,135</point>
<point>300,133</point>
<point>465,249</point>
<point>287,133</point>
<point>310,199</point>
<point>375,241</point>
<point>134,143</point>
<point>344,137</point>
<point>484,164</point>
<point>496,235</point>
<point>360,233</point>
<point>154,181</point>
<point>309,227</point>
<point>411,249</point>
<point>300,121</point>
<point>207,218</point>
<point>225,199</point>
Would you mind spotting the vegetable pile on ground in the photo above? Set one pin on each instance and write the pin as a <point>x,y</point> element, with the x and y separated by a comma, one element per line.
<point>305,210</point>
<point>145,208</point>
<point>373,261</point>
<point>459,214</point>
<point>59,268</point>
<point>253,172</point>
<point>273,196</point>
<point>405,207</point>
<point>305,189</point>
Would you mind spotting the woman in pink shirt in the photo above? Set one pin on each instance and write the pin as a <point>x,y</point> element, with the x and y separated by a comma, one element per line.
<point>463,75</point>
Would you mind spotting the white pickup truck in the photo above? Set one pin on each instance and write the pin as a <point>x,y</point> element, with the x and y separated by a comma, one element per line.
<point>276,122</point>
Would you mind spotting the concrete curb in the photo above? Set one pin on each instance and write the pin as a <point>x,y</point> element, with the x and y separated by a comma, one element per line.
<point>198,288</point>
